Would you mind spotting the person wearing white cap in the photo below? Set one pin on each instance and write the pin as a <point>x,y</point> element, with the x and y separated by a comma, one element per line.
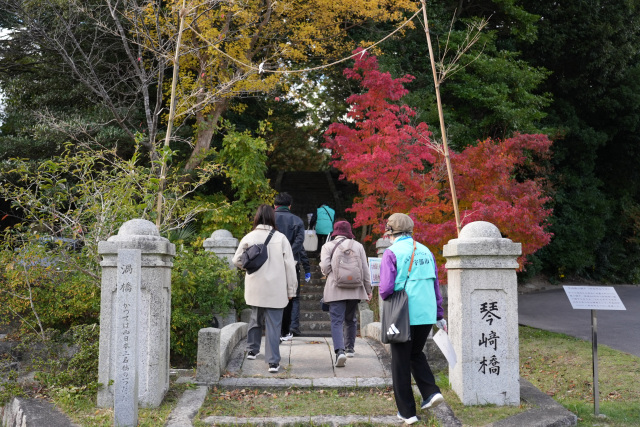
<point>425,309</point>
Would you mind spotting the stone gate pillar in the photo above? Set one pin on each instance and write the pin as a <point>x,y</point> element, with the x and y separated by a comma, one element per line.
<point>483,315</point>
<point>154,314</point>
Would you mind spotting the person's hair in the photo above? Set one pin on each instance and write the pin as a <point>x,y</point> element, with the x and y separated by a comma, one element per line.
<point>283,199</point>
<point>264,215</point>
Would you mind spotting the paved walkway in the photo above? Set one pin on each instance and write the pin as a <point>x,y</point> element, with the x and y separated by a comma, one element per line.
<point>308,362</point>
<point>551,310</point>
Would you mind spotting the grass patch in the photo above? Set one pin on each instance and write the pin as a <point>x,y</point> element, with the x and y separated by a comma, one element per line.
<point>477,415</point>
<point>560,366</point>
<point>83,411</point>
<point>302,402</point>
<point>299,402</point>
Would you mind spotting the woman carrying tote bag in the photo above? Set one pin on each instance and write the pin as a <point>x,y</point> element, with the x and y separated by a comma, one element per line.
<point>268,289</point>
<point>420,282</point>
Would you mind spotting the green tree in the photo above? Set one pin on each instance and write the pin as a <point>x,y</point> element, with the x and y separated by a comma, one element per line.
<point>591,48</point>
<point>493,92</point>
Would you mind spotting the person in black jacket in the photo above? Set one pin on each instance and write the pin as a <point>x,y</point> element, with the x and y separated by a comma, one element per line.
<point>292,226</point>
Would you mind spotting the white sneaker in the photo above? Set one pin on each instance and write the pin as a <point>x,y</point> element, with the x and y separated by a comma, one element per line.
<point>273,367</point>
<point>287,337</point>
<point>350,352</point>
<point>341,360</point>
<point>410,420</point>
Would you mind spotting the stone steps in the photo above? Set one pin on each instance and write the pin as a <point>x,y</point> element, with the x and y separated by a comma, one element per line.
<point>313,321</point>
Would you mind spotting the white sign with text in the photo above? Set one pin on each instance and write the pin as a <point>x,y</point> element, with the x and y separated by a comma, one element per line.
<point>374,270</point>
<point>593,298</point>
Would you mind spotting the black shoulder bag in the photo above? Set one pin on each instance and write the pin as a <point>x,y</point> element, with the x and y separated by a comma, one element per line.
<point>255,255</point>
<point>396,327</point>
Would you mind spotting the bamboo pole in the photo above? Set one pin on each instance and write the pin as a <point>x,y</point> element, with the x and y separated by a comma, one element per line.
<point>436,82</point>
<point>167,138</point>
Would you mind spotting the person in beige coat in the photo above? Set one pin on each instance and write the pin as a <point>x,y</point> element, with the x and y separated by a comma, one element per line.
<point>269,289</point>
<point>343,302</point>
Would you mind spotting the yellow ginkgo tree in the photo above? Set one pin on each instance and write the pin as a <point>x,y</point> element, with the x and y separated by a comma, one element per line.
<point>238,48</point>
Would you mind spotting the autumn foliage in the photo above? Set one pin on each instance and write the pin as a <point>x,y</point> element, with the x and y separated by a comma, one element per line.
<point>398,167</point>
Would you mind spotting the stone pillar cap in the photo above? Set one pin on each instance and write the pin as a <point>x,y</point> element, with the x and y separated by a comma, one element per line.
<point>383,243</point>
<point>137,229</point>
<point>480,238</point>
<point>221,238</point>
<point>479,230</point>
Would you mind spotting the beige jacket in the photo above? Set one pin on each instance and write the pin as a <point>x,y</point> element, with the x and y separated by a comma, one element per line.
<point>331,291</point>
<point>276,281</point>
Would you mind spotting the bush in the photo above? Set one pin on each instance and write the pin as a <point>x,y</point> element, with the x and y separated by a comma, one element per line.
<point>37,285</point>
<point>63,363</point>
<point>201,285</point>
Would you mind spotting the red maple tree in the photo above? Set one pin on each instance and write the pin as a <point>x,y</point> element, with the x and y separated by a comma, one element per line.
<point>399,168</point>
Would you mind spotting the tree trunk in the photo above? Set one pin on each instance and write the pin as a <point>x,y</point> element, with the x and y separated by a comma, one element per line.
<point>207,126</point>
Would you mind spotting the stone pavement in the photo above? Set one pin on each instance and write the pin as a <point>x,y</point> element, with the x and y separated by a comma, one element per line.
<point>308,362</point>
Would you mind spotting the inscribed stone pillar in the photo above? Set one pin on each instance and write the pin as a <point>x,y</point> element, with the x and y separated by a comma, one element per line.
<point>223,244</point>
<point>154,313</point>
<point>483,315</point>
<point>125,410</point>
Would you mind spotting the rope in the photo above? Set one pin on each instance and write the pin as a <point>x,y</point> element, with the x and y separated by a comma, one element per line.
<point>260,69</point>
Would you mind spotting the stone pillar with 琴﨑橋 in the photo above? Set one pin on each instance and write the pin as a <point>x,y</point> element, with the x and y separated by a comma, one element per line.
<point>483,315</point>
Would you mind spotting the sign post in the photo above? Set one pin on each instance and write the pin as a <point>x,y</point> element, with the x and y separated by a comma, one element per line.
<point>594,298</point>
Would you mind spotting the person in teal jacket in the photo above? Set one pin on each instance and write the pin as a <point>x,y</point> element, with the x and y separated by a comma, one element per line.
<point>323,221</point>
<point>425,309</point>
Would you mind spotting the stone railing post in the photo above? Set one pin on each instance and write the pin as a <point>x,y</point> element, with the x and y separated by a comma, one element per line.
<point>483,315</point>
<point>223,244</point>
<point>154,312</point>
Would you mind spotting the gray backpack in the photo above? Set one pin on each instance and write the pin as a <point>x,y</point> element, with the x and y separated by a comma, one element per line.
<point>345,266</point>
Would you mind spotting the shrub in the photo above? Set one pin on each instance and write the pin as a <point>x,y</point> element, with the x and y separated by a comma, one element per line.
<point>201,285</point>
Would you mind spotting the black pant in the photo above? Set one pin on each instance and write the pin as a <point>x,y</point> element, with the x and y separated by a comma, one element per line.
<point>408,358</point>
<point>322,239</point>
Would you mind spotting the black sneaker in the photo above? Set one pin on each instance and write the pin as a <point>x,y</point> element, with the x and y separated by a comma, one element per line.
<point>350,352</point>
<point>341,359</point>
<point>274,367</point>
<point>432,401</point>
<point>251,355</point>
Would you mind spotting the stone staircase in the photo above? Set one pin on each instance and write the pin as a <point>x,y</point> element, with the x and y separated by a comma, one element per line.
<point>309,189</point>
<point>313,321</point>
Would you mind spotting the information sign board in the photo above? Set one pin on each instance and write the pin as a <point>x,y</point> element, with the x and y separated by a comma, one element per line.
<point>374,270</point>
<point>594,298</point>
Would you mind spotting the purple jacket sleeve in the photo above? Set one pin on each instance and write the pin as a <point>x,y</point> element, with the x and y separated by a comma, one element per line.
<point>436,286</point>
<point>388,273</point>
